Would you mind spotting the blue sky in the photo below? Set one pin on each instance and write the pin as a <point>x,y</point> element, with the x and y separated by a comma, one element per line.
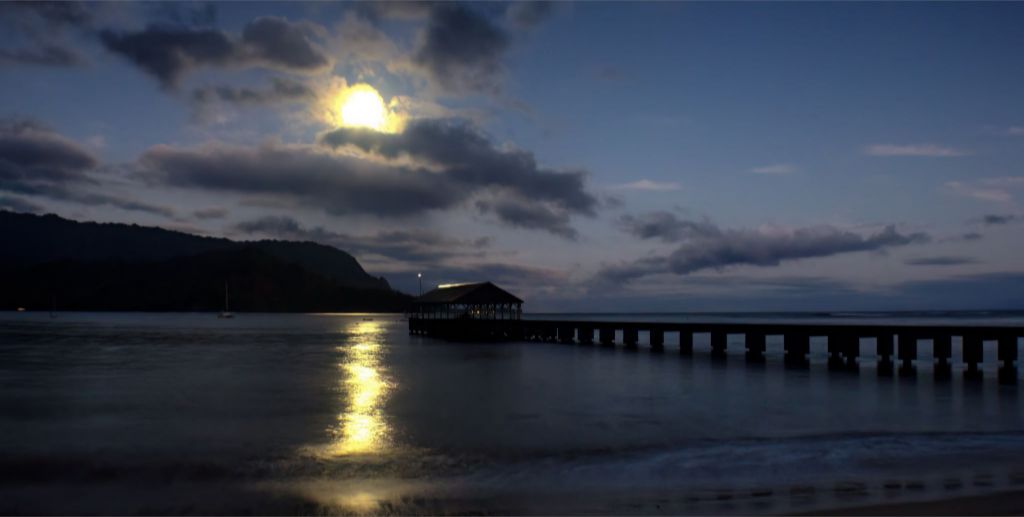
<point>665,156</point>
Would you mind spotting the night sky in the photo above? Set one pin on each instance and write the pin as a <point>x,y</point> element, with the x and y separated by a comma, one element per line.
<point>588,156</point>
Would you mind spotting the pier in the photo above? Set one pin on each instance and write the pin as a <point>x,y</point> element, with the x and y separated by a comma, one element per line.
<point>484,312</point>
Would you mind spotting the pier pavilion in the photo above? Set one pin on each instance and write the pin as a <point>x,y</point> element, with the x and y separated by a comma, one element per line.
<point>467,311</point>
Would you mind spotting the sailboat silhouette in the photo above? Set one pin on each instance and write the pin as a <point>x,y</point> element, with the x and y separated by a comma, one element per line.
<point>226,313</point>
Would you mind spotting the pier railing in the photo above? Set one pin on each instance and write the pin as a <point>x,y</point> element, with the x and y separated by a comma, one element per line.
<point>893,342</point>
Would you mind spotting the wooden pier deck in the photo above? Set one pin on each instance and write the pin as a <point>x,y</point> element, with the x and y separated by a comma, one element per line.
<point>843,341</point>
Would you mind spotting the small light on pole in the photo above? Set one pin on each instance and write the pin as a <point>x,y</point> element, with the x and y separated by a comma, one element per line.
<point>419,276</point>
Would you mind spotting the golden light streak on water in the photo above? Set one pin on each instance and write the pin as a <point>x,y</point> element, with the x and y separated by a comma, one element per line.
<point>362,427</point>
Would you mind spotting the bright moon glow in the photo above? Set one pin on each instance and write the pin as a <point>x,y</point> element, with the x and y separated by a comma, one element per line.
<point>362,106</point>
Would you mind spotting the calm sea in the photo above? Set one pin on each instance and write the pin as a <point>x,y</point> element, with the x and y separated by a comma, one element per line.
<point>270,413</point>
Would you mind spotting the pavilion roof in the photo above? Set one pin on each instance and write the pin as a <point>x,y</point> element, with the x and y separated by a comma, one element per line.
<point>472,294</point>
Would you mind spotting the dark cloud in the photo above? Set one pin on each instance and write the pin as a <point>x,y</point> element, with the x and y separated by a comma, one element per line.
<point>302,175</point>
<point>461,49</point>
<point>971,236</point>
<point>20,205</point>
<point>35,160</point>
<point>210,213</point>
<point>999,219</point>
<point>54,14</point>
<point>524,15</point>
<point>665,226</point>
<point>940,261</point>
<point>50,55</point>
<point>169,52</point>
<point>706,246</point>
<point>43,26</point>
<point>33,157</point>
<point>281,90</point>
<point>276,42</point>
<point>532,216</point>
<point>469,158</point>
<point>417,247</point>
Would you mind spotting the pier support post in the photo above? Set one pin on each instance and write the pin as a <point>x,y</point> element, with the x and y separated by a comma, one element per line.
<point>718,344</point>
<point>797,346</point>
<point>884,343</point>
<point>1007,355</point>
<point>755,344</point>
<point>657,340</point>
<point>630,336</point>
<point>907,353</point>
<point>836,346</point>
<point>586,335</point>
<point>607,336</point>
<point>843,350</point>
<point>685,342</point>
<point>566,334</point>
<point>972,356</point>
<point>942,349</point>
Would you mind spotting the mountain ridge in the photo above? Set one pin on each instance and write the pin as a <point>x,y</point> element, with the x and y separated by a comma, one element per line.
<point>86,266</point>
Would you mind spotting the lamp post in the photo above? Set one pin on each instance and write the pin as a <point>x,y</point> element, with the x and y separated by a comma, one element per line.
<point>419,276</point>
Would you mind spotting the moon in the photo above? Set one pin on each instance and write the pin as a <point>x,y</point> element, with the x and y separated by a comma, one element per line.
<point>362,106</point>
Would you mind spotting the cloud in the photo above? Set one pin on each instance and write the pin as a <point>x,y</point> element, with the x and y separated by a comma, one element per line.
<point>50,55</point>
<point>35,160</point>
<point>665,226</point>
<point>18,204</point>
<point>210,213</point>
<point>525,15</point>
<point>532,216</point>
<point>461,49</point>
<point>999,219</point>
<point>776,169</point>
<point>940,261</point>
<point>415,247</point>
<point>706,246</point>
<point>431,166</point>
<point>987,189</point>
<point>649,185</point>
<point>301,175</point>
<point>43,25</point>
<point>169,52</point>
<point>467,157</point>
<point>925,150</point>
<point>971,236</point>
<point>33,156</point>
<point>280,91</point>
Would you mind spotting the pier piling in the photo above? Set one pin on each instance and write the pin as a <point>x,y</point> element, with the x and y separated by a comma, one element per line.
<point>796,347</point>
<point>566,334</point>
<point>755,343</point>
<point>718,344</point>
<point>685,342</point>
<point>1007,355</point>
<point>630,336</point>
<point>586,335</point>
<point>907,353</point>
<point>657,340</point>
<point>942,349</point>
<point>607,336</point>
<point>884,347</point>
<point>972,352</point>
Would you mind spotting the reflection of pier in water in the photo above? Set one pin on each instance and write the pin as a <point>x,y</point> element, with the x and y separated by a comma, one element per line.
<point>485,312</point>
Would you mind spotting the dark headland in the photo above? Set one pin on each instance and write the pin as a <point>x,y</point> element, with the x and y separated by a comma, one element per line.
<point>48,261</point>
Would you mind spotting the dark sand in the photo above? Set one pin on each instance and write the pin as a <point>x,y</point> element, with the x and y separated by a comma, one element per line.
<point>1001,503</point>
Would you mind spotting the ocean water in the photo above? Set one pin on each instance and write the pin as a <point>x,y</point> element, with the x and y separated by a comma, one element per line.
<point>349,414</point>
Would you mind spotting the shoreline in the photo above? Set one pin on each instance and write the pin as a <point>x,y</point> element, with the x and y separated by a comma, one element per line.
<point>1008,502</point>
